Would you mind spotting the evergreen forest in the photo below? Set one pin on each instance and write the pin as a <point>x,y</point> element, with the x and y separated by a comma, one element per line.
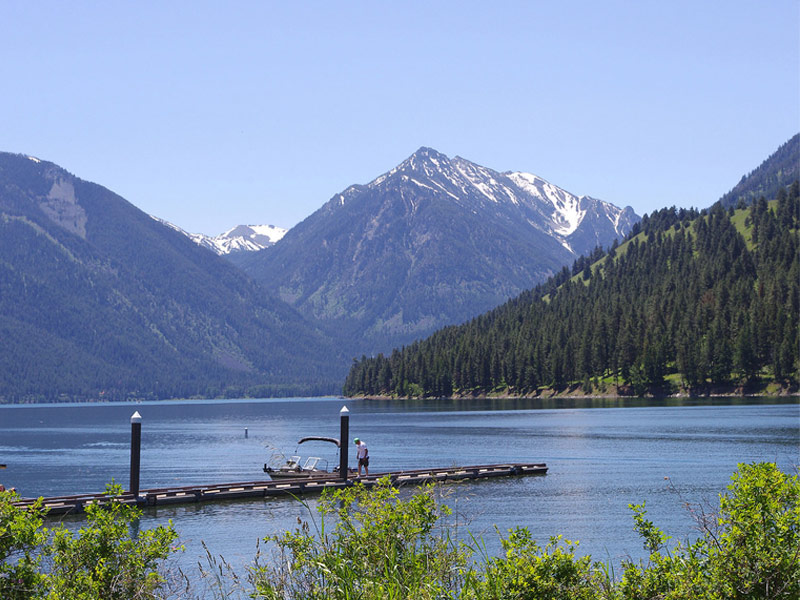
<point>691,300</point>
<point>778,171</point>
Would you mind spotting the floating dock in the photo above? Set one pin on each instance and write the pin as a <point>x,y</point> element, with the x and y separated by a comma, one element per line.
<point>63,505</point>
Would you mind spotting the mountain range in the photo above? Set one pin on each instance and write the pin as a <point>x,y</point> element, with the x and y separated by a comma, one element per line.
<point>98,300</point>
<point>432,242</point>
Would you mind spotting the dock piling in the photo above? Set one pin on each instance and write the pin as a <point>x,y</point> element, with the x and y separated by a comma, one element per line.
<point>136,444</point>
<point>344,443</point>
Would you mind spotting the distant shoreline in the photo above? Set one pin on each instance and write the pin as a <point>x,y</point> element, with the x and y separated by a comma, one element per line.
<point>617,393</point>
<point>764,390</point>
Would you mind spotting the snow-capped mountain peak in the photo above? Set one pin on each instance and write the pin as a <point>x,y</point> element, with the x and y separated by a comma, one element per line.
<point>432,242</point>
<point>544,206</point>
<point>247,238</point>
<point>242,238</point>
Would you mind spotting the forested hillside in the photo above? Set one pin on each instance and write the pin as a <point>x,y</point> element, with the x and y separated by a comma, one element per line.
<point>690,300</point>
<point>100,301</point>
<point>778,171</point>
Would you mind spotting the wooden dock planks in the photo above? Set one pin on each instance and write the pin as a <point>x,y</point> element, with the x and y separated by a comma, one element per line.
<point>287,487</point>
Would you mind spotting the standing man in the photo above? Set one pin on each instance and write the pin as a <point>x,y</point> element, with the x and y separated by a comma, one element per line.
<point>362,454</point>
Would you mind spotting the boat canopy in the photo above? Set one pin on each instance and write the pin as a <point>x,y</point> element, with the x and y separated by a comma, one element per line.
<point>315,438</point>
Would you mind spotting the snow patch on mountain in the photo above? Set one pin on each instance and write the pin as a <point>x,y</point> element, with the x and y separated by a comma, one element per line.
<point>525,196</point>
<point>567,208</point>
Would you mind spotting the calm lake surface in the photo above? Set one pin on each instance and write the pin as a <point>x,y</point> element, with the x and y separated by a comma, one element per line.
<point>602,455</point>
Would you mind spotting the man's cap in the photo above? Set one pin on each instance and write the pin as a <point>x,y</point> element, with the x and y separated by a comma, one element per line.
<point>355,441</point>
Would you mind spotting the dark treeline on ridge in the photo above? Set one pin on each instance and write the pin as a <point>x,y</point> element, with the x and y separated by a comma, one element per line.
<point>690,299</point>
<point>778,171</point>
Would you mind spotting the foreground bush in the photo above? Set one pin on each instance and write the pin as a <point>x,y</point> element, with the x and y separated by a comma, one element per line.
<point>749,549</point>
<point>381,548</point>
<point>103,561</point>
<point>385,548</point>
<point>527,571</point>
<point>21,537</point>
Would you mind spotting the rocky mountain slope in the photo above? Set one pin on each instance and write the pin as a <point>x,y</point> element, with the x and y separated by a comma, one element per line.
<point>434,241</point>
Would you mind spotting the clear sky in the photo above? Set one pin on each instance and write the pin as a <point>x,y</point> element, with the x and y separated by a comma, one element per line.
<point>213,114</point>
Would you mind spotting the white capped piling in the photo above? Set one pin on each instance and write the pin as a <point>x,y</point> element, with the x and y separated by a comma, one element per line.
<point>344,442</point>
<point>136,445</point>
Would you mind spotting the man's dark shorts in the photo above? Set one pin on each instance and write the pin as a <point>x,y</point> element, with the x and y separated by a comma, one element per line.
<point>363,462</point>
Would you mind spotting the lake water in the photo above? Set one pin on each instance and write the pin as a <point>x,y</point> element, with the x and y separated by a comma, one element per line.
<point>602,455</point>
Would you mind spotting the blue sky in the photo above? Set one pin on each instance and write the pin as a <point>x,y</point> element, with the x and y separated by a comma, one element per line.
<point>213,114</point>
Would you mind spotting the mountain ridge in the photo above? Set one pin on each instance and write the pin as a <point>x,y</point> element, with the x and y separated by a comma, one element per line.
<point>691,302</point>
<point>779,169</point>
<point>100,300</point>
<point>561,211</point>
<point>433,241</point>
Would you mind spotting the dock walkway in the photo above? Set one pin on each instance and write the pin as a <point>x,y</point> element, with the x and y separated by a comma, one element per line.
<point>281,488</point>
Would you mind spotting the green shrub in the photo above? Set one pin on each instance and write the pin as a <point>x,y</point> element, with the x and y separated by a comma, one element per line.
<point>384,547</point>
<point>528,572</point>
<point>103,561</point>
<point>21,536</point>
<point>381,548</point>
<point>749,550</point>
